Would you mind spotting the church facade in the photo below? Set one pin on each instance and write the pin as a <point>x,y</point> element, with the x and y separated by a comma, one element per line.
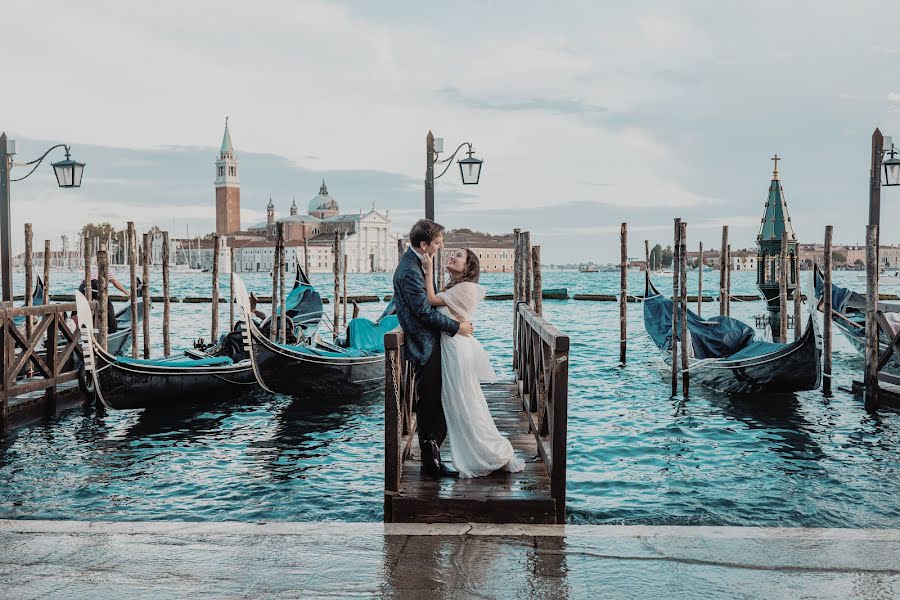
<point>366,237</point>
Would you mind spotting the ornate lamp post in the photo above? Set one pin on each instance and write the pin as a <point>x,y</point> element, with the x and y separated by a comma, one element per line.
<point>880,147</point>
<point>68,175</point>
<point>469,168</point>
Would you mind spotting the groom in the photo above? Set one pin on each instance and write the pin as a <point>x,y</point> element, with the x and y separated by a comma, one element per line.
<point>422,326</point>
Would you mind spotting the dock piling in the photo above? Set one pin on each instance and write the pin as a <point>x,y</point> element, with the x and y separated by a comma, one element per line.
<point>273,319</point>
<point>517,290</point>
<point>214,328</point>
<point>29,278</point>
<point>344,300</point>
<point>623,291</point>
<point>870,377</point>
<point>167,345</point>
<point>231,290</point>
<point>827,308</point>
<point>676,272</point>
<point>47,254</point>
<point>723,266</point>
<point>526,254</point>
<point>700,282</point>
<point>783,287</point>
<point>682,280</point>
<point>798,325</point>
<point>337,282</point>
<point>132,293</point>
<point>146,289</point>
<point>282,275</point>
<point>103,294</point>
<point>537,290</point>
<point>86,247</point>
<point>306,254</point>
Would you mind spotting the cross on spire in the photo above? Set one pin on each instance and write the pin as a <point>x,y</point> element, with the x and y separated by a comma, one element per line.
<point>776,158</point>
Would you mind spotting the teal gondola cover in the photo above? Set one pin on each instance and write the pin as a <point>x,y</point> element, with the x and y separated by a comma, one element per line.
<point>716,337</point>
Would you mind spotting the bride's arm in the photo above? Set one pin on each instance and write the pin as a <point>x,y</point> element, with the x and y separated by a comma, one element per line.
<point>433,299</point>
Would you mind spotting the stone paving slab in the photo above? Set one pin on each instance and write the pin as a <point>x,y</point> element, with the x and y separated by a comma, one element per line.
<point>72,559</point>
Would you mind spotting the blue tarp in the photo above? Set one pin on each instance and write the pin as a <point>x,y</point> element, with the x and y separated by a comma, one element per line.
<point>213,361</point>
<point>716,337</point>
<point>303,305</point>
<point>841,298</point>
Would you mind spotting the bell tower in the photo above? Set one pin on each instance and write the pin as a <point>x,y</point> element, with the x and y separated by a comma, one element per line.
<point>228,188</point>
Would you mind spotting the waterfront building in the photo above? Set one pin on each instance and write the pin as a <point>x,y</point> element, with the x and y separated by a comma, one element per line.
<point>743,260</point>
<point>495,252</point>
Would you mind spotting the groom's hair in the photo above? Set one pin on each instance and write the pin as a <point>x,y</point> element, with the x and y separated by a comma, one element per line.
<point>425,230</point>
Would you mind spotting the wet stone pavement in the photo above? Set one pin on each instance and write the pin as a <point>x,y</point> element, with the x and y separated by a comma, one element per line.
<point>75,559</point>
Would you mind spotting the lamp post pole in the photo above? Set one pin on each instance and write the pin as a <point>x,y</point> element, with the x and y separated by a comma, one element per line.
<point>429,176</point>
<point>7,148</point>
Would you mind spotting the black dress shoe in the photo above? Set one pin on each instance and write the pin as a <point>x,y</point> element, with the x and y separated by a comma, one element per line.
<point>449,472</point>
<point>431,459</point>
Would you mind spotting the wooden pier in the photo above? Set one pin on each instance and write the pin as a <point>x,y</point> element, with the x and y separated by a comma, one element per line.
<point>531,410</point>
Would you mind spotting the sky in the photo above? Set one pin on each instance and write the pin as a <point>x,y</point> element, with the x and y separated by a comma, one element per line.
<point>587,114</point>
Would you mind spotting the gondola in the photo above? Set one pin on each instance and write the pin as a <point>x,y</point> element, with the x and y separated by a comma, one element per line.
<point>726,358</point>
<point>303,306</point>
<point>352,366</point>
<point>848,314</point>
<point>127,383</point>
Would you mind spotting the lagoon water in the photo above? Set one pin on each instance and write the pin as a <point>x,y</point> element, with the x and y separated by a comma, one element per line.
<point>636,455</point>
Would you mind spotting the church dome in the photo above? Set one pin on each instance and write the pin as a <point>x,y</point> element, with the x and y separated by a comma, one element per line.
<point>323,202</point>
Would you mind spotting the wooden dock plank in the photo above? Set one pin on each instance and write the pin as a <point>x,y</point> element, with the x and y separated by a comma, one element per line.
<point>499,497</point>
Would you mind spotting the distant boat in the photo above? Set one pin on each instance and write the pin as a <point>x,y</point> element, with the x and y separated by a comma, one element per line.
<point>884,277</point>
<point>588,269</point>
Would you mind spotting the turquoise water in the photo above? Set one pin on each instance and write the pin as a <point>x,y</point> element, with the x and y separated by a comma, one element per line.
<point>636,455</point>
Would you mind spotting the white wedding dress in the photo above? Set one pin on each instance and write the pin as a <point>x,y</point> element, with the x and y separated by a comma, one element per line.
<point>477,448</point>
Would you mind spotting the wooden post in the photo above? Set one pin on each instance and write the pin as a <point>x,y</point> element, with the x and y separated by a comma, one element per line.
<point>146,289</point>
<point>214,328</point>
<point>870,378</point>
<point>133,261</point>
<point>700,282</point>
<point>526,253</point>
<point>337,282</point>
<point>29,277</point>
<point>537,292</point>
<point>47,253</point>
<point>86,243</point>
<point>231,290</point>
<point>623,291</point>
<point>676,272</point>
<point>647,257</point>
<point>728,283</point>
<point>682,255</point>
<point>782,287</point>
<point>273,320</point>
<point>346,266</point>
<point>827,309</point>
<point>399,250</point>
<point>439,269</point>
<point>723,265</point>
<point>103,294</point>
<point>167,345</point>
<point>306,255</point>
<point>282,275</point>
<point>798,325</point>
<point>517,290</point>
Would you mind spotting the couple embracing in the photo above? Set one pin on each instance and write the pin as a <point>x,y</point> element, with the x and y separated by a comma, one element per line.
<point>449,362</point>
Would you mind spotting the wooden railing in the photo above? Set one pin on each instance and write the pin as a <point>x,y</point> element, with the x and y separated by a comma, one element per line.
<point>399,418</point>
<point>541,364</point>
<point>37,360</point>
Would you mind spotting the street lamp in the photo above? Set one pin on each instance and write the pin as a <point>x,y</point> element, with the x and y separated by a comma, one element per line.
<point>881,146</point>
<point>68,175</point>
<point>469,168</point>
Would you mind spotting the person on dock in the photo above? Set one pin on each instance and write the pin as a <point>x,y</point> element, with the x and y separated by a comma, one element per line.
<point>111,323</point>
<point>422,326</point>
<point>478,447</point>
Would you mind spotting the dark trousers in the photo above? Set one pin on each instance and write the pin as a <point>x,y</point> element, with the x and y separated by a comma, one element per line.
<point>430,421</point>
<point>111,324</point>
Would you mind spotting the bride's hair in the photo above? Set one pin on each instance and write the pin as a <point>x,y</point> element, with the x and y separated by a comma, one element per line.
<point>470,273</point>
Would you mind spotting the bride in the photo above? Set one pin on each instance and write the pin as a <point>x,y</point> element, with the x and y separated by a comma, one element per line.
<point>477,448</point>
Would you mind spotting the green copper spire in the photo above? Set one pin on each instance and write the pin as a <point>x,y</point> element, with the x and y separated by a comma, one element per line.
<point>226,140</point>
<point>776,219</point>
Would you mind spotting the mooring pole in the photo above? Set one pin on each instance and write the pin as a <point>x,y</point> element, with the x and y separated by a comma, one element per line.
<point>537,292</point>
<point>214,329</point>
<point>682,255</point>
<point>273,320</point>
<point>103,294</point>
<point>337,282</point>
<point>782,288</point>
<point>146,290</point>
<point>29,277</point>
<point>797,296</point>
<point>167,346</point>
<point>827,309</point>
<point>517,290</point>
<point>676,270</point>
<point>871,373</point>
<point>47,259</point>
<point>86,243</point>
<point>282,275</point>
<point>623,291</point>
<point>700,282</point>
<point>346,267</point>
<point>132,293</point>
<point>231,290</point>
<point>723,265</point>
<point>728,284</point>
<point>526,256</point>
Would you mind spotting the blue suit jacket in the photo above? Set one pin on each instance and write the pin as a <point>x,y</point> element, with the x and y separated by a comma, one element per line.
<point>421,322</point>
